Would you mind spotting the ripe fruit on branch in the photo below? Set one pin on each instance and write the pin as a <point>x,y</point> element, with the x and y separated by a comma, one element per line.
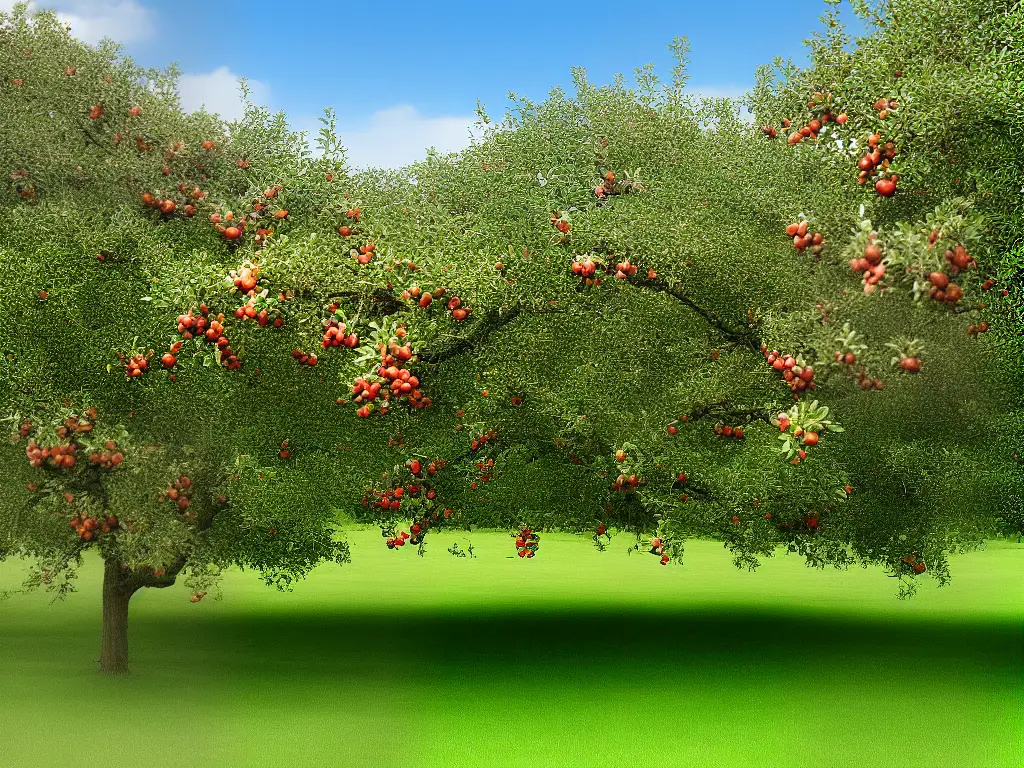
<point>560,221</point>
<point>482,439</point>
<point>212,331</point>
<point>908,354</point>
<point>877,157</point>
<point>872,264</point>
<point>459,312</point>
<point>527,542</point>
<point>178,493</point>
<point>886,187</point>
<point>335,332</point>
<point>246,278</point>
<point>798,376</point>
<point>803,239</point>
<point>585,267</point>
<point>801,428</point>
<point>304,358</point>
<point>364,254</point>
<point>624,269</point>
<point>724,430</point>
<point>135,365</point>
<point>627,484</point>
<point>910,364</point>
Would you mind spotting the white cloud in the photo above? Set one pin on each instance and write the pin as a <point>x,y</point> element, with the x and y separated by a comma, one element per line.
<point>397,136</point>
<point>92,20</point>
<point>218,92</point>
<point>125,21</point>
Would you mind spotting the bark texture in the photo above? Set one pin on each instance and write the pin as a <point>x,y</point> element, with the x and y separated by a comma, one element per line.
<point>117,592</point>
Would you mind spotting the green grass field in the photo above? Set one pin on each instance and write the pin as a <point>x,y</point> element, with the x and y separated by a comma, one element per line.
<point>576,658</point>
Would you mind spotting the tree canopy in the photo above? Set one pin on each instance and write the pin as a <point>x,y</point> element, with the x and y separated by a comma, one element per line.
<point>626,309</point>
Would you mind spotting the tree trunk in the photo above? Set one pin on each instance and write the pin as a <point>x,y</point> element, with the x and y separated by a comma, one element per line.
<point>117,591</point>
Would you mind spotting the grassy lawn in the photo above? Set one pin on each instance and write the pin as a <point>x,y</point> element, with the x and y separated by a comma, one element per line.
<point>575,658</point>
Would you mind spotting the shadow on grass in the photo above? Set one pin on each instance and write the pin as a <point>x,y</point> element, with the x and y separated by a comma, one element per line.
<point>357,643</point>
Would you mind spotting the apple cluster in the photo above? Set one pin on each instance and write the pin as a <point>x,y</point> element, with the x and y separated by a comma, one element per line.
<point>910,563</point>
<point>259,309</point>
<point>658,549</point>
<point>88,528</point>
<point>335,332</point>
<point>365,254</point>
<point>799,377</point>
<point>561,223</point>
<point>942,288</point>
<point>424,298</point>
<point>485,437</point>
<point>878,157</point>
<point>459,312</point>
<point>60,456</point>
<point>304,358</point>
<point>803,239</point>
<point>585,268</point>
<point>135,365</point>
<point>870,264</point>
<point>724,430</point>
<point>166,205</point>
<point>624,269</point>
<point>821,115</point>
<point>228,226</point>
<point>200,326</point>
<point>403,382</point>
<point>485,472</point>
<point>864,381</point>
<point>108,458</point>
<point>527,542</point>
<point>364,391</point>
<point>178,493</point>
<point>625,484</point>
<point>420,497</point>
<point>606,187</point>
<point>806,438</point>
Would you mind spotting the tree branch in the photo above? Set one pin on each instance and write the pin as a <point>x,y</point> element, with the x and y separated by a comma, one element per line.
<point>488,324</point>
<point>743,334</point>
<point>390,304</point>
<point>722,410</point>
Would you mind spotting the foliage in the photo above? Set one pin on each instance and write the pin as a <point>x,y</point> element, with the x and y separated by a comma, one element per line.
<point>560,400</point>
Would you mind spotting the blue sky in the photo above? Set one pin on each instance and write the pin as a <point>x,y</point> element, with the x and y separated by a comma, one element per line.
<point>403,76</point>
